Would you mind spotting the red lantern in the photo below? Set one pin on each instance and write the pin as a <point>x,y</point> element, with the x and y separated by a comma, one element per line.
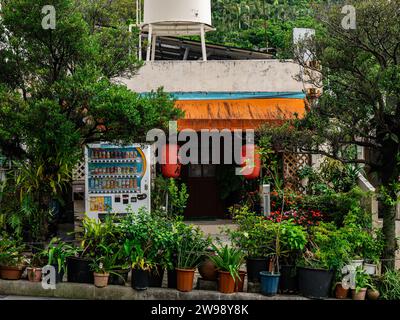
<point>251,162</point>
<point>170,166</point>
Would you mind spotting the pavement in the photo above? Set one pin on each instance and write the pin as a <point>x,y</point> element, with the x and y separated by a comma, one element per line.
<point>2,298</point>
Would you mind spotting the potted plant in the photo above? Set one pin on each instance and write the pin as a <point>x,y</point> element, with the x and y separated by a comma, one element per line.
<point>121,268</point>
<point>140,264</point>
<point>292,240</point>
<point>228,261</point>
<point>96,235</point>
<point>102,268</point>
<point>340,291</point>
<point>12,262</point>
<point>181,233</point>
<point>251,237</point>
<point>326,253</point>
<point>57,253</point>
<point>34,268</point>
<point>189,256</point>
<point>372,292</point>
<point>207,268</point>
<point>373,247</point>
<point>362,282</point>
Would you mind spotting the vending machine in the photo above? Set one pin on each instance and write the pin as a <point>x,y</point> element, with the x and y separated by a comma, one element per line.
<point>118,179</point>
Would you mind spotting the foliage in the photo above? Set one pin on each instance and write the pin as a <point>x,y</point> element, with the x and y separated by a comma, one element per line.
<point>332,176</point>
<point>37,259</point>
<point>363,280</point>
<point>175,192</point>
<point>64,80</point>
<point>190,251</point>
<point>252,234</point>
<point>259,237</point>
<point>326,248</point>
<point>138,255</point>
<point>57,253</point>
<point>312,209</point>
<point>292,241</point>
<point>260,24</point>
<point>11,252</point>
<point>153,237</point>
<point>178,197</point>
<point>107,263</point>
<point>352,112</point>
<point>228,259</point>
<point>100,238</point>
<point>366,243</point>
<point>389,285</point>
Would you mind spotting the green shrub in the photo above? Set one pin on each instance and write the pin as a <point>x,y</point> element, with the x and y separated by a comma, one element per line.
<point>389,285</point>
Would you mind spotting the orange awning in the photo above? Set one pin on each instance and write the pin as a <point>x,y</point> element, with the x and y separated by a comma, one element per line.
<point>237,114</point>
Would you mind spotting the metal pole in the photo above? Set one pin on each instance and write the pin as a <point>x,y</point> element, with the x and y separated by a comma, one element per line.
<point>149,38</point>
<point>266,199</point>
<point>153,48</point>
<point>203,42</point>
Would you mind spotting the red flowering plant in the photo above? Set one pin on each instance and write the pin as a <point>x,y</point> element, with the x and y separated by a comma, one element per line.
<point>290,206</point>
<point>305,218</point>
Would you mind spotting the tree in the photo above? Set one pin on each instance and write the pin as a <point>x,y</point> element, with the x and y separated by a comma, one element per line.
<point>259,24</point>
<point>58,92</point>
<point>360,105</point>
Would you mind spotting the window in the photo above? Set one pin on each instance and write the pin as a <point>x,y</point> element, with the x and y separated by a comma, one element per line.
<point>202,171</point>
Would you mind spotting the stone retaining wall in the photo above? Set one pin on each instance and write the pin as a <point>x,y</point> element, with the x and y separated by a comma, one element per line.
<point>90,292</point>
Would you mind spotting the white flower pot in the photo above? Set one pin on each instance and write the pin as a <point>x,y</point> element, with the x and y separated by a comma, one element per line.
<point>357,263</point>
<point>370,268</point>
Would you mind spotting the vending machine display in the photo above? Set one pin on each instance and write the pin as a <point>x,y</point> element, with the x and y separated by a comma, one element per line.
<point>117,179</point>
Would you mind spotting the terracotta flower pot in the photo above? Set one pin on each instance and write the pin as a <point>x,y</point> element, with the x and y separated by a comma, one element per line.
<point>34,274</point>
<point>184,279</point>
<point>226,283</point>
<point>373,294</point>
<point>360,295</point>
<point>208,270</point>
<point>340,292</point>
<point>240,282</point>
<point>101,279</point>
<point>11,273</point>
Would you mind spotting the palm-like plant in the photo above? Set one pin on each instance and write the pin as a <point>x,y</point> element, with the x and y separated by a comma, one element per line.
<point>228,259</point>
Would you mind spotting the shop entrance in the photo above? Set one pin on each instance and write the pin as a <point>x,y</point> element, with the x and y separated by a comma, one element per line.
<point>204,194</point>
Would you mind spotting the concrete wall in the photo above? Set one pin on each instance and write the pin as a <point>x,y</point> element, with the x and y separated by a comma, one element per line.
<point>217,76</point>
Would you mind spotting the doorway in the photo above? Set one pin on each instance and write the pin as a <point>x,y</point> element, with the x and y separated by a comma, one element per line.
<point>204,195</point>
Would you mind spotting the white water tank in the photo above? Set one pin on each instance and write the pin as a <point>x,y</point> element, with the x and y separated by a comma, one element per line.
<point>177,11</point>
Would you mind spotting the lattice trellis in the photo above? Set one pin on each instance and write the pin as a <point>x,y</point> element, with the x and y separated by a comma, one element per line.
<point>292,163</point>
<point>78,173</point>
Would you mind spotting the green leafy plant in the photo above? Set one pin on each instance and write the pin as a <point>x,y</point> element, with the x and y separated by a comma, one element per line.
<point>327,248</point>
<point>228,259</point>
<point>389,285</point>
<point>57,253</point>
<point>253,234</point>
<point>98,235</point>
<point>191,249</point>
<point>154,234</point>
<point>137,256</point>
<point>363,280</point>
<point>178,197</point>
<point>11,252</point>
<point>37,258</point>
